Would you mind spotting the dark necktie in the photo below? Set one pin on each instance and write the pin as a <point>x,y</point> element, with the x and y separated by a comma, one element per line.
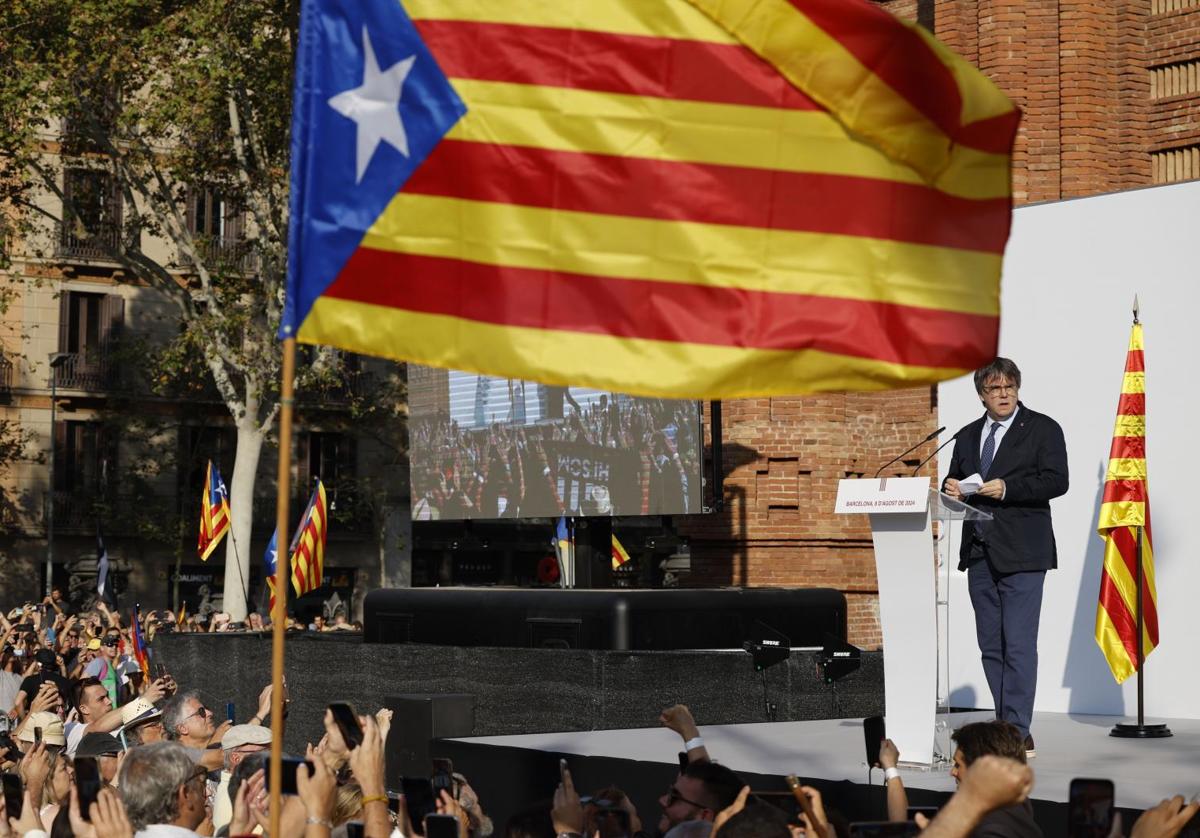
<point>989,452</point>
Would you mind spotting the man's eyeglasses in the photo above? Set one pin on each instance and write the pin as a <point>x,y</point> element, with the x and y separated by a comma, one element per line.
<point>199,711</point>
<point>673,797</point>
<point>996,389</point>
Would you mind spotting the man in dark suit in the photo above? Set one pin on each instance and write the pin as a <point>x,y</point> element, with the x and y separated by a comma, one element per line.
<point>1018,459</point>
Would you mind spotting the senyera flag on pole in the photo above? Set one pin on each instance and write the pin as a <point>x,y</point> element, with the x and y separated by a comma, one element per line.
<point>1124,508</point>
<point>712,198</point>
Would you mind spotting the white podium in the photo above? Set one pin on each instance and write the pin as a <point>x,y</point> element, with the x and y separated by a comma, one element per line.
<point>902,511</point>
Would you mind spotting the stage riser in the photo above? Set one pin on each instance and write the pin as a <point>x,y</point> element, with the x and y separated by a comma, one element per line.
<point>516,690</point>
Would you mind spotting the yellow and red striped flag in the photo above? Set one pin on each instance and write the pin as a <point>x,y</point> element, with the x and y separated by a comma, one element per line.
<point>619,556</point>
<point>214,512</point>
<point>1125,507</point>
<point>702,199</point>
<point>308,547</point>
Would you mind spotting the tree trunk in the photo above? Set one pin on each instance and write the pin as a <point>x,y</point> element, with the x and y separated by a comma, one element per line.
<point>241,505</point>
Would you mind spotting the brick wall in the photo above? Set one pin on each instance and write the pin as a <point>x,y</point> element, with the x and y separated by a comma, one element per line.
<point>1081,71</point>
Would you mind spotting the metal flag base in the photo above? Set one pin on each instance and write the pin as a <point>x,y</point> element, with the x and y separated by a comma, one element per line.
<point>1140,731</point>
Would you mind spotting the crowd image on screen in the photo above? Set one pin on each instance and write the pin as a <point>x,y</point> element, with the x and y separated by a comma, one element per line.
<point>569,451</point>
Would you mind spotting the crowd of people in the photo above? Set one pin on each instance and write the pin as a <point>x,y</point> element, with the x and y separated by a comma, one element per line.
<point>623,456</point>
<point>98,745</point>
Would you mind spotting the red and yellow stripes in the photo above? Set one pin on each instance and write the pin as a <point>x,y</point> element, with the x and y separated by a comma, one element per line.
<point>1124,508</point>
<point>308,557</point>
<point>637,200</point>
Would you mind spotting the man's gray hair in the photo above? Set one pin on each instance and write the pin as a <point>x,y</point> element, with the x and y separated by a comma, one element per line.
<point>998,368</point>
<point>175,712</point>
<point>150,779</point>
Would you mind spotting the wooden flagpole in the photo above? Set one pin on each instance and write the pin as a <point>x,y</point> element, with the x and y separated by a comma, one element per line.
<point>283,577</point>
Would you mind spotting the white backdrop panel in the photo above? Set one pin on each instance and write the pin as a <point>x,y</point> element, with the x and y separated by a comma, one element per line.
<point>1070,274</point>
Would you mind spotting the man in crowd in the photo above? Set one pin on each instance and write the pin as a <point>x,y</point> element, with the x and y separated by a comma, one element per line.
<point>96,712</point>
<point>163,790</point>
<point>1011,462</point>
<point>141,723</point>
<point>188,721</point>
<point>1002,739</point>
<point>238,742</point>
<point>104,666</point>
<point>47,671</point>
<point>699,793</point>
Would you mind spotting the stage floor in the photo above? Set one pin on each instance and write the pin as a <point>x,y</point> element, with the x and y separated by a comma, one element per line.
<point>1068,746</point>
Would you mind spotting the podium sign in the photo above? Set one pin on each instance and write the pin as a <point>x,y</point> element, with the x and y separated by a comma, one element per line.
<point>883,495</point>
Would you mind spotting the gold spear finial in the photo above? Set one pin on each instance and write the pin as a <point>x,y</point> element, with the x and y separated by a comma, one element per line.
<point>1136,309</point>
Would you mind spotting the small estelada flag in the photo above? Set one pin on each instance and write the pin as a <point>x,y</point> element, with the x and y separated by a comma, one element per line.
<point>619,556</point>
<point>214,512</point>
<point>308,547</point>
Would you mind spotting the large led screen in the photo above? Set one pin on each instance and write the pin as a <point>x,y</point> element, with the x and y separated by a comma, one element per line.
<point>484,447</point>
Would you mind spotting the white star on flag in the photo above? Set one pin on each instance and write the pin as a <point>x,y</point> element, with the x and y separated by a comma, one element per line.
<point>375,106</point>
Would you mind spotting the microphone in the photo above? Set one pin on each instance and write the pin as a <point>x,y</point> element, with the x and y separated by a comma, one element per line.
<point>934,454</point>
<point>918,445</point>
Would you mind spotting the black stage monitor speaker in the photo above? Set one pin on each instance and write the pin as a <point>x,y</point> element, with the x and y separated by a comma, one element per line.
<point>417,719</point>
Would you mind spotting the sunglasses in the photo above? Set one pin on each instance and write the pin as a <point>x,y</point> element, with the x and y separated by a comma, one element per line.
<point>673,797</point>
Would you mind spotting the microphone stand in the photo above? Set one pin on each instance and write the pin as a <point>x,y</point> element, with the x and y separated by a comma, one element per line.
<point>910,450</point>
<point>921,464</point>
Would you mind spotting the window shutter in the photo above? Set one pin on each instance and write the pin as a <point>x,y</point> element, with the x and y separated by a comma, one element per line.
<point>64,321</point>
<point>235,223</point>
<point>191,209</point>
<point>112,319</point>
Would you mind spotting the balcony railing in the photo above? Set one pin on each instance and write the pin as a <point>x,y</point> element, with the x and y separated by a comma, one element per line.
<point>74,512</point>
<point>101,240</point>
<point>237,256</point>
<point>84,371</point>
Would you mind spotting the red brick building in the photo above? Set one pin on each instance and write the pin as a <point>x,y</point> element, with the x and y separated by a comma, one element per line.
<point>1111,98</point>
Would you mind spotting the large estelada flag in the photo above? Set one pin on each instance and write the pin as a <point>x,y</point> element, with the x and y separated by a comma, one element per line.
<point>308,545</point>
<point>214,512</point>
<point>712,198</point>
<point>1125,508</point>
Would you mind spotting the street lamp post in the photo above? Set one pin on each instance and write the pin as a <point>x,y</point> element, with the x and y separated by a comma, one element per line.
<point>57,359</point>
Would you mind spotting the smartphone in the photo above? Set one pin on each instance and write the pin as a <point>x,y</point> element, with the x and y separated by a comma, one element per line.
<point>88,782</point>
<point>1089,808</point>
<point>611,823</point>
<point>37,736</point>
<point>683,761</point>
<point>873,736</point>
<point>355,829</point>
<point>160,670</point>
<point>394,800</point>
<point>441,826</point>
<point>347,721</point>
<point>229,714</point>
<point>928,811</point>
<point>418,798</point>
<point>287,781</point>
<point>443,777</point>
<point>884,829</point>
<point>14,795</point>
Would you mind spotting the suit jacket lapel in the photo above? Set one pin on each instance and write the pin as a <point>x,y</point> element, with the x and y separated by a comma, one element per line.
<point>1011,439</point>
<point>973,437</point>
